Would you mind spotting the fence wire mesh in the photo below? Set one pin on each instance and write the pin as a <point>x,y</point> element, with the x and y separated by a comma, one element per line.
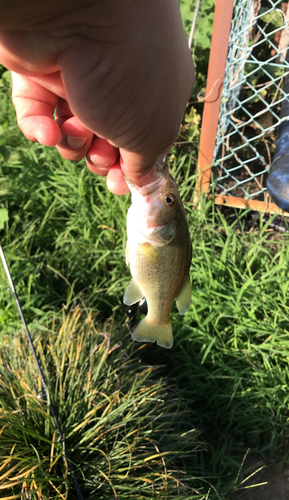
<point>252,97</point>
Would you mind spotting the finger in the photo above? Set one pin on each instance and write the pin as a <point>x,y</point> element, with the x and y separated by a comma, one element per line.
<point>34,106</point>
<point>101,156</point>
<point>76,140</point>
<point>52,82</point>
<point>140,169</point>
<point>115,180</point>
<point>62,111</point>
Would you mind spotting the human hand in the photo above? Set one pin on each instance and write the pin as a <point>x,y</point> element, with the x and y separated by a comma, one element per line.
<point>117,74</point>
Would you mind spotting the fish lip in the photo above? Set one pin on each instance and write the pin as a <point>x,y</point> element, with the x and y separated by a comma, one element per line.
<point>162,171</point>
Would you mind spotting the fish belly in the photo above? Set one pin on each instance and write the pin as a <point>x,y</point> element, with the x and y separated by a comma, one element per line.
<point>159,273</point>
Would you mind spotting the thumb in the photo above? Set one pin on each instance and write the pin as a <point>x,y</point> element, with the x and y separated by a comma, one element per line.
<point>140,169</point>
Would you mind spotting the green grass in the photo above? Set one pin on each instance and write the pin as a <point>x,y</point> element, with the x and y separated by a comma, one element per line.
<point>84,236</point>
<point>224,382</point>
<point>235,338</point>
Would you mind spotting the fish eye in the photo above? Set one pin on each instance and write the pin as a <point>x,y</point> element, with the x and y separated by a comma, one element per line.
<point>169,199</point>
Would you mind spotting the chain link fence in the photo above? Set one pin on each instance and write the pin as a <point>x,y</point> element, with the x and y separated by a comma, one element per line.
<point>251,98</point>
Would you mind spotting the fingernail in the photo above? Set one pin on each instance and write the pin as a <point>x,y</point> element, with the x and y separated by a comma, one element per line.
<point>75,142</point>
<point>162,157</point>
<point>99,162</point>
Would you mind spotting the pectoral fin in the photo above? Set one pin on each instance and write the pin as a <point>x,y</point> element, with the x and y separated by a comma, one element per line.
<point>132,294</point>
<point>183,300</point>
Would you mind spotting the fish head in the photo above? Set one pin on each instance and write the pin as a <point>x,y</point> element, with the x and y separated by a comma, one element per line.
<point>157,207</point>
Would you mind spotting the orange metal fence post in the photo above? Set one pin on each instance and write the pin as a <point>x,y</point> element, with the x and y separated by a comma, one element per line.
<point>217,62</point>
<point>216,71</point>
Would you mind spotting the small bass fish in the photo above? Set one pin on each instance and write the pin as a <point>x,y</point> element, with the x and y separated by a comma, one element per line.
<point>159,253</point>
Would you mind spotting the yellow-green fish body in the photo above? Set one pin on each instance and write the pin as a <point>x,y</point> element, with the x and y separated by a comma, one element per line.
<point>159,253</point>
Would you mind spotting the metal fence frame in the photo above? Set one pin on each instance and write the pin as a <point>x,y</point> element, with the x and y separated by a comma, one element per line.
<point>215,114</point>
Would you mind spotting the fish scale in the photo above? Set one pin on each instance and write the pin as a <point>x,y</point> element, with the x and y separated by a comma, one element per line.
<point>159,254</point>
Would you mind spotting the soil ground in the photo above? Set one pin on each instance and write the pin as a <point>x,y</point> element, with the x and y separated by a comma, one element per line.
<point>277,487</point>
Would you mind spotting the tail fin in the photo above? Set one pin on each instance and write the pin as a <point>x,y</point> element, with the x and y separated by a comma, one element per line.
<point>148,332</point>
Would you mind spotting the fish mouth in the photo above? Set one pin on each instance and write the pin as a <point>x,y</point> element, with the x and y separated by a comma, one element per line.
<point>162,171</point>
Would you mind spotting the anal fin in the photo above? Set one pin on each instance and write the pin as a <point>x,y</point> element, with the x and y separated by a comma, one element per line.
<point>132,294</point>
<point>183,300</point>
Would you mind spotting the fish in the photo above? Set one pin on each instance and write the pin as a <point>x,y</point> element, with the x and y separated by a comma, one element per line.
<point>159,253</point>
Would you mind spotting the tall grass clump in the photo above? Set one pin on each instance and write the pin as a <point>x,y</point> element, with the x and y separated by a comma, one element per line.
<point>126,428</point>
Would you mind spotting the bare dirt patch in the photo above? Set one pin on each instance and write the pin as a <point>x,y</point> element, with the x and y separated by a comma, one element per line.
<point>276,487</point>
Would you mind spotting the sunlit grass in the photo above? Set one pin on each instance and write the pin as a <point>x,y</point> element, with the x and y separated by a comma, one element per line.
<point>82,225</point>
